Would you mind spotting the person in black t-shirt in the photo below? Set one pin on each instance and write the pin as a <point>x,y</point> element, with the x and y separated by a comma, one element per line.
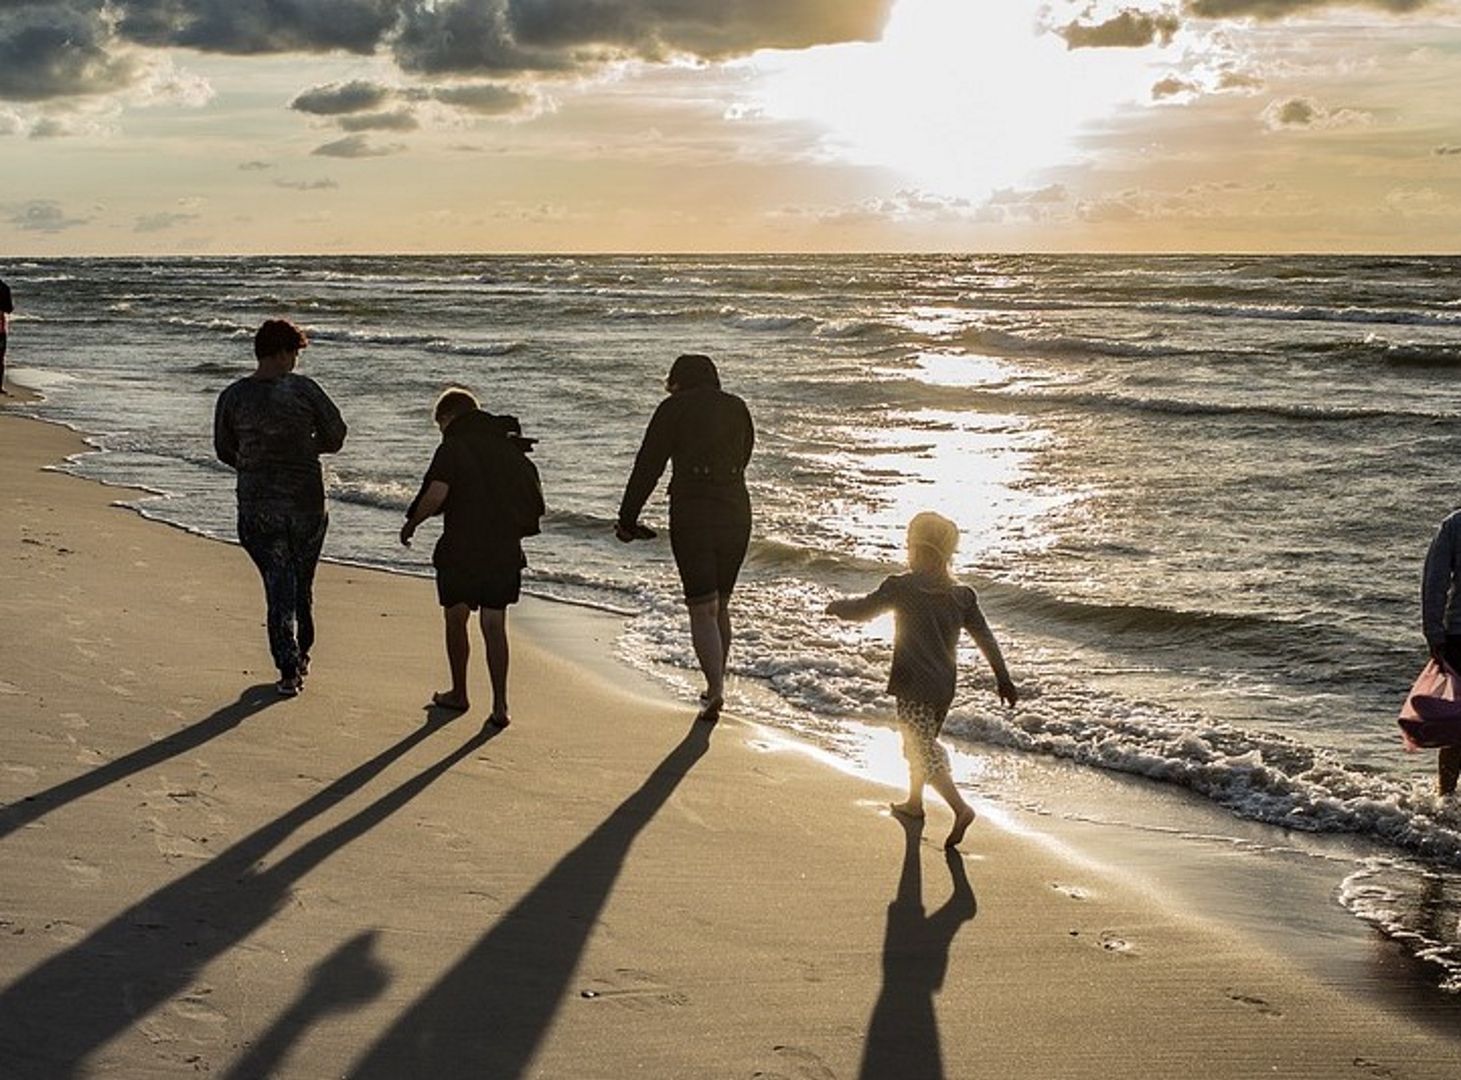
<point>929,608</point>
<point>488,492</point>
<point>272,428</point>
<point>708,434</point>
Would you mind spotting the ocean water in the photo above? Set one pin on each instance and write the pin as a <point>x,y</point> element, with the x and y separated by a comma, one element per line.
<point>1196,492</point>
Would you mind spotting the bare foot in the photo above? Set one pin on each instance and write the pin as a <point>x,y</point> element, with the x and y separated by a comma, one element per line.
<point>909,809</point>
<point>445,699</point>
<point>710,709</point>
<point>499,719</point>
<point>962,820</point>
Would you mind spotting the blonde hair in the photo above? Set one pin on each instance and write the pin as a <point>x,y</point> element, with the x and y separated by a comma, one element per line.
<point>932,541</point>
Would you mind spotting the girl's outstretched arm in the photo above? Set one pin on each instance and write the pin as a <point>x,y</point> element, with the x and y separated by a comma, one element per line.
<point>862,608</point>
<point>978,627</point>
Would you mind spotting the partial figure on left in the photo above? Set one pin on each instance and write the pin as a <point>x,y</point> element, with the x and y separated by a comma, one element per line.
<point>7,307</point>
<point>271,427</point>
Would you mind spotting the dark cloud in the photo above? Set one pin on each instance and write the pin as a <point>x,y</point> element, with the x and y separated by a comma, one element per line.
<point>356,146</point>
<point>325,184</point>
<point>161,222</point>
<point>1446,150</point>
<point>487,99</point>
<point>59,50</point>
<point>1233,79</point>
<point>48,127</point>
<point>1279,9</point>
<point>259,26</point>
<point>1131,29</point>
<point>42,215</point>
<point>338,99</point>
<point>401,120</point>
<point>1298,113</point>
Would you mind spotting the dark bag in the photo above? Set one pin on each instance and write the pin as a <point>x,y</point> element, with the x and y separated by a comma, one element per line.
<point>7,303</point>
<point>522,489</point>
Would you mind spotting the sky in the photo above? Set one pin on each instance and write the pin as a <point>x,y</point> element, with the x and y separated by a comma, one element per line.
<point>300,126</point>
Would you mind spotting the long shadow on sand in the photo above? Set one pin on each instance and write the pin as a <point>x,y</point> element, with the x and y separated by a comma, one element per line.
<point>902,1037</point>
<point>488,1014</point>
<point>65,1008</point>
<point>32,807</point>
<point>346,979</point>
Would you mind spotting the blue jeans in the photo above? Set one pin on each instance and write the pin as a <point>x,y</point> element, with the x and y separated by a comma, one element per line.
<point>286,549</point>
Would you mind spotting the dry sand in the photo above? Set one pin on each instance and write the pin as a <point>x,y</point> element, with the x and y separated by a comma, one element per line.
<point>199,878</point>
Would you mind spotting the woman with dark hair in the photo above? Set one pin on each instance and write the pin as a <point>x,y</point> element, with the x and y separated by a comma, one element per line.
<point>708,434</point>
<point>271,427</point>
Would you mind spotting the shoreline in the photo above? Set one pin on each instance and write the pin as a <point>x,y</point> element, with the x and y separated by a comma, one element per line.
<point>1040,875</point>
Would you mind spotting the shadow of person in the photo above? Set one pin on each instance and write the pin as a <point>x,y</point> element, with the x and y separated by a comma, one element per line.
<point>346,979</point>
<point>32,807</point>
<point>63,1009</point>
<point>902,1036</point>
<point>487,1015</point>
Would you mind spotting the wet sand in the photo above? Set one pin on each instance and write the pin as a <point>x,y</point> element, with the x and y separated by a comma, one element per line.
<point>199,878</point>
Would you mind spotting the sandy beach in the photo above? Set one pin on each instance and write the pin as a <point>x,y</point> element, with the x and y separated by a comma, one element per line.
<point>198,878</point>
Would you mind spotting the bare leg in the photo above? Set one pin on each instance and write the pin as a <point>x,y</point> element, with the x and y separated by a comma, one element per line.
<point>723,622</point>
<point>710,649</point>
<point>1448,769</point>
<point>458,651</point>
<point>913,805</point>
<point>494,631</point>
<point>944,784</point>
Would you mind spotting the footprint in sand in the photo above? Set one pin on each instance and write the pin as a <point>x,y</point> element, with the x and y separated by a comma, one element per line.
<point>1114,943</point>
<point>194,1006</point>
<point>1074,892</point>
<point>1257,1003</point>
<point>83,872</point>
<point>1372,1068</point>
<point>632,989</point>
<point>795,1063</point>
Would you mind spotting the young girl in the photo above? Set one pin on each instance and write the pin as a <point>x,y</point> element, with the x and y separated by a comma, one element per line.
<point>930,608</point>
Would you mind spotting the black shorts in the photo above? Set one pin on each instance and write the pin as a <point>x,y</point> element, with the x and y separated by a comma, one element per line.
<point>490,583</point>
<point>709,557</point>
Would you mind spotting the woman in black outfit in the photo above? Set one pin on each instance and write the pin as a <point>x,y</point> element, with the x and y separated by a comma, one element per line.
<point>709,436</point>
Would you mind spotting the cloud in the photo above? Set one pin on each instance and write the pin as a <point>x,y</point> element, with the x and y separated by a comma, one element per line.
<point>401,120</point>
<point>60,50</point>
<point>11,122</point>
<point>1299,113</point>
<point>484,99</point>
<point>255,166</point>
<point>1131,29</point>
<point>251,27</point>
<point>324,184</point>
<point>1419,203</point>
<point>356,146</point>
<point>338,99</point>
<point>42,215</point>
<point>1281,9</point>
<point>1446,150</point>
<point>1234,79</point>
<point>162,221</point>
<point>1172,86</point>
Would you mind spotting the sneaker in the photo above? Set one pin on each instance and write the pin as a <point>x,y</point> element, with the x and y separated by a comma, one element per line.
<point>289,687</point>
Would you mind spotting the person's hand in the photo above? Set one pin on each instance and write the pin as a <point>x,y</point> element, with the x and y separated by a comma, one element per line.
<point>1007,692</point>
<point>627,533</point>
<point>407,531</point>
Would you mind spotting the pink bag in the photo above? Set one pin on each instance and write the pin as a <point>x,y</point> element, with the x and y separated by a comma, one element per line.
<point>1431,715</point>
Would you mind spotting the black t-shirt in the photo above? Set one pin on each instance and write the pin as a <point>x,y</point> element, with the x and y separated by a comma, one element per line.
<point>492,492</point>
<point>273,432</point>
<point>709,436</point>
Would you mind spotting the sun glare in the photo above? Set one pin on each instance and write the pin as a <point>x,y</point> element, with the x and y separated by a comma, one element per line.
<point>962,96</point>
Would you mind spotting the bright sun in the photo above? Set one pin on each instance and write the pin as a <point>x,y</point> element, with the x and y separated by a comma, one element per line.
<point>962,96</point>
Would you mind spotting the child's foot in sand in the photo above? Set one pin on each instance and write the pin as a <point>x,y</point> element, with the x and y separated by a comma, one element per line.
<point>908,809</point>
<point>445,699</point>
<point>710,709</point>
<point>499,719</point>
<point>962,820</point>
